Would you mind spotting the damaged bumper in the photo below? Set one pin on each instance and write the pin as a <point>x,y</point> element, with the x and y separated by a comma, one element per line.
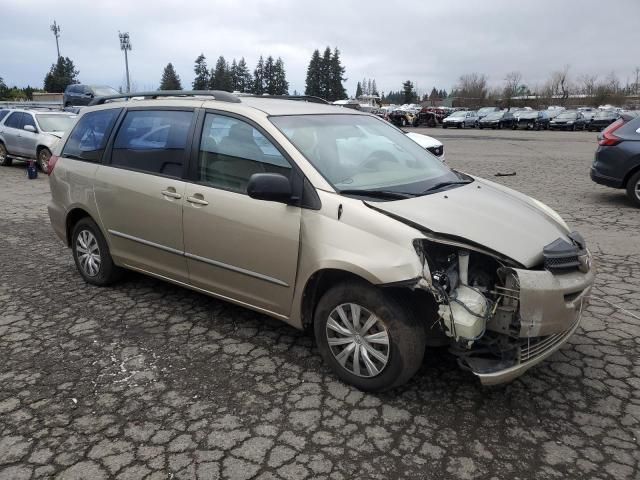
<point>550,312</point>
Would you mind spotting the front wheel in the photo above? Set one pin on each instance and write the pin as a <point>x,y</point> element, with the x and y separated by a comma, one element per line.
<point>367,337</point>
<point>91,254</point>
<point>5,161</point>
<point>43,159</point>
<point>633,189</point>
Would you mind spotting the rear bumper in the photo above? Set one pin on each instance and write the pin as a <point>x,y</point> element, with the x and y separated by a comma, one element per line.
<point>605,180</point>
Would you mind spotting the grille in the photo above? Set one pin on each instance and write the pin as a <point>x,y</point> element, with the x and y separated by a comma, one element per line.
<point>565,263</point>
<point>437,151</point>
<point>561,256</point>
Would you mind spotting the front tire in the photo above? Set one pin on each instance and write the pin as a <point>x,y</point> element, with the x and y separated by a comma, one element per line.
<point>367,337</point>
<point>5,161</point>
<point>633,189</point>
<point>43,159</point>
<point>91,254</point>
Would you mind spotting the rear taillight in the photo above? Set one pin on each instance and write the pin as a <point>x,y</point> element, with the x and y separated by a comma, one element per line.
<point>608,138</point>
<point>53,159</point>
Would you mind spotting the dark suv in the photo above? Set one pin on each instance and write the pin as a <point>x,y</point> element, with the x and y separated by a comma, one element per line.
<point>78,94</point>
<point>617,161</point>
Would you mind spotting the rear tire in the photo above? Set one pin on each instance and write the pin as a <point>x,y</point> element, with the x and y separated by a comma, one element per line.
<point>633,189</point>
<point>91,254</point>
<point>5,161</point>
<point>379,355</point>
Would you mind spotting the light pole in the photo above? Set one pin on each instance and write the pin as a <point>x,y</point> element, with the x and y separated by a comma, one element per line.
<point>55,28</point>
<point>125,45</point>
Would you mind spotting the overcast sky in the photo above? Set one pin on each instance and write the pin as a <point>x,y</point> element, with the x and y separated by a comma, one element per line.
<point>430,42</point>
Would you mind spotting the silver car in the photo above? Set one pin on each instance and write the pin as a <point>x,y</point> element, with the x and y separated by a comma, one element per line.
<point>326,218</point>
<point>32,135</point>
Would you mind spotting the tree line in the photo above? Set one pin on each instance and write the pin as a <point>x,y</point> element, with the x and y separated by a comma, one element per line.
<point>269,76</point>
<point>325,75</point>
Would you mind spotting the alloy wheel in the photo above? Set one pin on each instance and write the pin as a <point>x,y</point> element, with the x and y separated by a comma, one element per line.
<point>637,190</point>
<point>43,160</point>
<point>3,153</point>
<point>88,253</point>
<point>358,340</point>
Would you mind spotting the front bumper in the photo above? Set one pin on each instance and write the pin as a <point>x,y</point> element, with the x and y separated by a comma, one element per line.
<point>550,307</point>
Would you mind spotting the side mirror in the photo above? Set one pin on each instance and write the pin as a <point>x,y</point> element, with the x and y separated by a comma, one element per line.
<point>272,187</point>
<point>29,128</point>
<point>88,95</point>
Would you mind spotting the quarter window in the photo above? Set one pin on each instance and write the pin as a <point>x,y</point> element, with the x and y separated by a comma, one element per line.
<point>28,120</point>
<point>231,151</point>
<point>153,141</point>
<point>90,135</point>
<point>14,120</point>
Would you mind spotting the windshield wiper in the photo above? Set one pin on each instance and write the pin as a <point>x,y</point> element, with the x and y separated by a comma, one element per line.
<point>387,194</point>
<point>440,185</point>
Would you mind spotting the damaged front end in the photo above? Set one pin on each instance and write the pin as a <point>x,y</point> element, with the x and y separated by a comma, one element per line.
<point>502,319</point>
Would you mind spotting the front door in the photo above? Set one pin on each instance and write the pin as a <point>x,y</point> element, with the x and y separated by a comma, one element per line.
<point>28,141</point>
<point>237,247</point>
<point>140,192</point>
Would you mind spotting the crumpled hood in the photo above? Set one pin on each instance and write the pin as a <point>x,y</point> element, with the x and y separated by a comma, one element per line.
<point>487,214</point>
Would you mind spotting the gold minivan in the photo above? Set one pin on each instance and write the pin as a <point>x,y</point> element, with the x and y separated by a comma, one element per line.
<point>326,218</point>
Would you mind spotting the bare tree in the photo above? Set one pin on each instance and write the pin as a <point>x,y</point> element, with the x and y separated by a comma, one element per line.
<point>511,85</point>
<point>559,84</point>
<point>472,89</point>
<point>588,83</point>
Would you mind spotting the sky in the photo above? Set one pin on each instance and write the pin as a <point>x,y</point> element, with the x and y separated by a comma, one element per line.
<point>431,42</point>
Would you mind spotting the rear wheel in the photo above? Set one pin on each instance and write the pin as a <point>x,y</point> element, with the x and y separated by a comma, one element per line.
<point>5,161</point>
<point>367,337</point>
<point>91,254</point>
<point>633,188</point>
<point>43,159</point>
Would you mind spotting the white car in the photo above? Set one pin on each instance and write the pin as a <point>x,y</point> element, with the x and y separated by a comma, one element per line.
<point>429,143</point>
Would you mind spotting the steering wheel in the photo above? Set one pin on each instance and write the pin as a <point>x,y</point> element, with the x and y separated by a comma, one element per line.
<point>377,157</point>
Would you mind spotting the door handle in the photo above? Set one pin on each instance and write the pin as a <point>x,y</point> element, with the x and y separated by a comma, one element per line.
<point>171,193</point>
<point>199,200</point>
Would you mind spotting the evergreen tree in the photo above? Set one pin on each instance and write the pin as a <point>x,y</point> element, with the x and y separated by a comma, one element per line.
<point>281,86</point>
<point>359,90</point>
<point>245,80</point>
<point>408,93</point>
<point>4,90</point>
<point>62,74</point>
<point>258,78</point>
<point>233,74</point>
<point>201,82</point>
<point>313,85</point>
<point>365,91</point>
<point>336,77</point>
<point>269,76</point>
<point>170,79</point>
<point>325,75</point>
<point>221,78</point>
<point>374,88</point>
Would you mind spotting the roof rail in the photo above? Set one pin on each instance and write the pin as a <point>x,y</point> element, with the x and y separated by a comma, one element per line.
<point>216,94</point>
<point>300,98</point>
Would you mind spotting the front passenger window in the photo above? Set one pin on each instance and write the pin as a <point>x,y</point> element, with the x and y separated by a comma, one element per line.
<point>231,150</point>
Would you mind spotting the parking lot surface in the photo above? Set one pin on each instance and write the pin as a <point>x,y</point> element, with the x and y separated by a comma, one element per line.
<point>149,380</point>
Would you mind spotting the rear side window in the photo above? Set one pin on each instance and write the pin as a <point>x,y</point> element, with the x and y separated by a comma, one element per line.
<point>153,141</point>
<point>3,113</point>
<point>90,135</point>
<point>14,120</point>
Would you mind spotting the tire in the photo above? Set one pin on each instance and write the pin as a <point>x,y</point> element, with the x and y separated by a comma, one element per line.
<point>573,127</point>
<point>633,189</point>
<point>461,125</point>
<point>444,125</point>
<point>87,236</point>
<point>499,127</point>
<point>5,161</point>
<point>480,127</point>
<point>404,334</point>
<point>43,159</point>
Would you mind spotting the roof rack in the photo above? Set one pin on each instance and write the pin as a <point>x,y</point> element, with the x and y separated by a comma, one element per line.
<point>216,94</point>
<point>300,98</point>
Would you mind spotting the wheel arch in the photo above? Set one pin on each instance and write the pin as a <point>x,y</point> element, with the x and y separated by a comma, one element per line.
<point>631,173</point>
<point>74,216</point>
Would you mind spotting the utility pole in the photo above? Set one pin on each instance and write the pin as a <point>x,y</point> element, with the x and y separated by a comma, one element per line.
<point>125,45</point>
<point>55,28</point>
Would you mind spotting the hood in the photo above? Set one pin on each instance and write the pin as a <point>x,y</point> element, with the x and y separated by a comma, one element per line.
<point>493,216</point>
<point>424,141</point>
<point>453,119</point>
<point>56,134</point>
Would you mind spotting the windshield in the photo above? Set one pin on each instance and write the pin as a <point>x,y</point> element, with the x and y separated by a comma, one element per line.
<point>458,114</point>
<point>361,152</point>
<point>527,114</point>
<point>605,115</point>
<point>567,116</point>
<point>494,116</point>
<point>56,123</point>
<point>486,110</point>
<point>104,91</point>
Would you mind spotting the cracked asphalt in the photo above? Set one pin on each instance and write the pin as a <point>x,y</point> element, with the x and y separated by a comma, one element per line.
<point>149,380</point>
